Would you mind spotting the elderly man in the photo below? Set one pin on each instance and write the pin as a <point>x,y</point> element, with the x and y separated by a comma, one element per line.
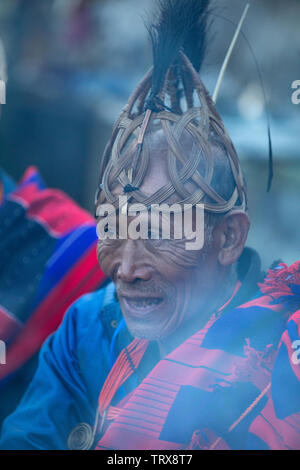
<point>184,349</point>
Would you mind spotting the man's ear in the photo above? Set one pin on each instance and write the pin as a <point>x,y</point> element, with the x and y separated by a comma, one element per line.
<point>230,236</point>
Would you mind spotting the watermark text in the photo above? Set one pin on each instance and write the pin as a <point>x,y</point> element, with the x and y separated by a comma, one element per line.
<point>159,221</point>
<point>296,94</point>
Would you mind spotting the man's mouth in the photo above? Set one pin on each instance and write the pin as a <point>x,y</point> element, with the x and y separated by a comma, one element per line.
<point>141,304</point>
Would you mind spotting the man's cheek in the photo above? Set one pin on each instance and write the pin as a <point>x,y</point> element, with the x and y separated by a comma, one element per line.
<point>174,262</point>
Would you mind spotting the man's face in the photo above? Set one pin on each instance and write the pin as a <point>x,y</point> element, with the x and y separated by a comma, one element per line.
<point>160,285</point>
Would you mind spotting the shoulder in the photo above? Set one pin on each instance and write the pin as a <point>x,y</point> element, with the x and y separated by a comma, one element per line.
<point>95,311</point>
<point>279,293</point>
<point>95,304</point>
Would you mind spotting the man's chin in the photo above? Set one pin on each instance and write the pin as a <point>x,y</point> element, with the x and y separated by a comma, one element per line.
<point>152,324</point>
<point>145,333</point>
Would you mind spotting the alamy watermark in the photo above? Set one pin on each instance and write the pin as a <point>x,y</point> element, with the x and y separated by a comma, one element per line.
<point>159,221</point>
<point>296,94</point>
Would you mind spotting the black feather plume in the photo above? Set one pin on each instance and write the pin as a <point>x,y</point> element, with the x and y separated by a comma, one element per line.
<point>178,25</point>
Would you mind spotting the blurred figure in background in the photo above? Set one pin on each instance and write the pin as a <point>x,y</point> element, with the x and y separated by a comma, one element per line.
<point>47,260</point>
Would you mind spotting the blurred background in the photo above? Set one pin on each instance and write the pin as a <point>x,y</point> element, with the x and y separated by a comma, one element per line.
<point>71,65</point>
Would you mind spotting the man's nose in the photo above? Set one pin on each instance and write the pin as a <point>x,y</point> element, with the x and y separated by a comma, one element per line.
<point>133,264</point>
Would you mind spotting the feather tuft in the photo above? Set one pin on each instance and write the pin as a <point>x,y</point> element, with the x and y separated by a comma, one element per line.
<point>177,25</point>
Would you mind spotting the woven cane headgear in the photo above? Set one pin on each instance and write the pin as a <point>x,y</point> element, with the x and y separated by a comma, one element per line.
<point>172,96</point>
